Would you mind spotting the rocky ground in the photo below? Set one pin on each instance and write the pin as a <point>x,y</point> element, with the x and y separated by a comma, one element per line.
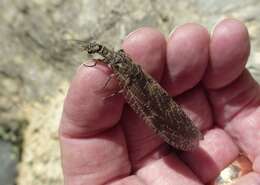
<point>38,60</point>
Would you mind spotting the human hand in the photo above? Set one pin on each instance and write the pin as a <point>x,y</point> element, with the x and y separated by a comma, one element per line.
<point>104,142</point>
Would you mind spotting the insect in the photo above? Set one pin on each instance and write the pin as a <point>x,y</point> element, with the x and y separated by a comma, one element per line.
<point>149,100</point>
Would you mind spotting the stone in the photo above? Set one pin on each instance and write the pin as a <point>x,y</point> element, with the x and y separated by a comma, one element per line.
<point>38,59</point>
<point>8,161</point>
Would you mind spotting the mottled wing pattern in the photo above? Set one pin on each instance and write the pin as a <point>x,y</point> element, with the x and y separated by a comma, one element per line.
<point>153,104</point>
<point>149,100</point>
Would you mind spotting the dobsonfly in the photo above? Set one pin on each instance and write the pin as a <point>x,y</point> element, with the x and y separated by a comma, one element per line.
<point>148,99</point>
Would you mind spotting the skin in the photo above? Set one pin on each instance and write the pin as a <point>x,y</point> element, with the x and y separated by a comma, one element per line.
<point>104,142</point>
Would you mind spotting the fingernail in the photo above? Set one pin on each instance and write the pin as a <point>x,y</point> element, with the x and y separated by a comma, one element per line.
<point>216,24</point>
<point>173,30</point>
<point>85,64</point>
<point>132,33</point>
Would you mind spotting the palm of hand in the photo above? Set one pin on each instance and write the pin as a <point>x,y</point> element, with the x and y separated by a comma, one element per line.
<point>104,144</point>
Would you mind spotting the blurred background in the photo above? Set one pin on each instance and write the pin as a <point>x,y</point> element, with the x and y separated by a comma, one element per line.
<point>37,62</point>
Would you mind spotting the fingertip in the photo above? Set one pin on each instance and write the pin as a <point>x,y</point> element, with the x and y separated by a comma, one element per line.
<point>187,57</point>
<point>229,50</point>
<point>89,81</point>
<point>86,101</point>
<point>147,47</point>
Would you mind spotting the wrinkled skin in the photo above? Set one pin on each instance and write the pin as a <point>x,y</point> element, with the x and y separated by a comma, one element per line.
<point>104,142</point>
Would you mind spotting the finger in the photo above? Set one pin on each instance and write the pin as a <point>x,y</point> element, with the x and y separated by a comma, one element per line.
<point>235,99</point>
<point>147,47</point>
<point>256,165</point>
<point>251,178</point>
<point>85,102</point>
<point>167,171</point>
<point>93,148</point>
<point>236,104</point>
<point>130,180</point>
<point>215,152</point>
<point>229,50</point>
<point>237,109</point>
<point>195,105</point>
<point>187,58</point>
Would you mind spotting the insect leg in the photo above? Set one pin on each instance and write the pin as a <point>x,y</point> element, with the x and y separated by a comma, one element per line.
<point>127,83</point>
<point>114,94</point>
<point>108,80</point>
